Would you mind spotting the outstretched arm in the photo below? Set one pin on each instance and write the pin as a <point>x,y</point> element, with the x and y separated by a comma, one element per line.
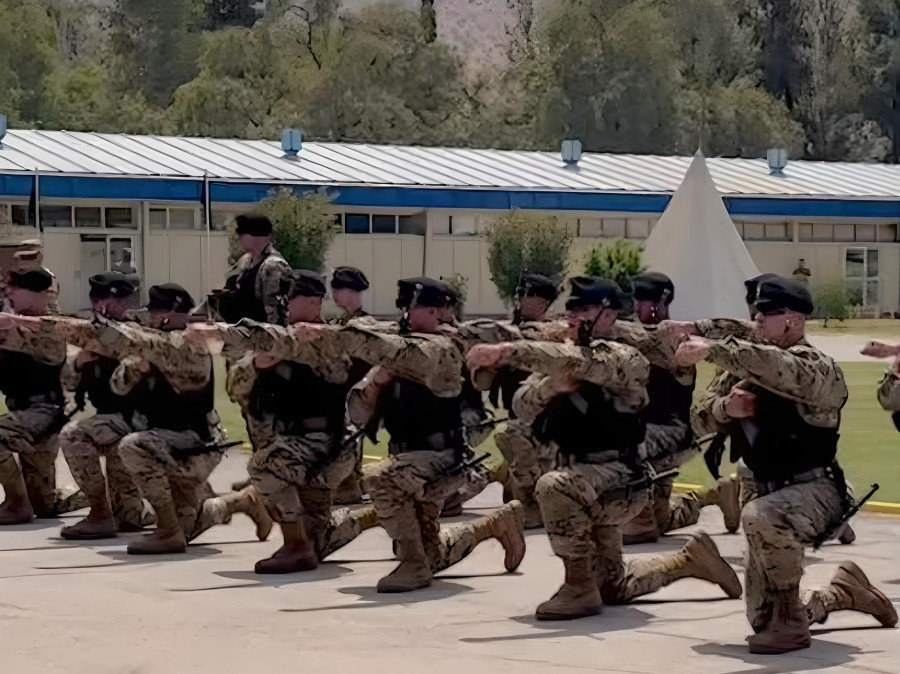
<point>26,335</point>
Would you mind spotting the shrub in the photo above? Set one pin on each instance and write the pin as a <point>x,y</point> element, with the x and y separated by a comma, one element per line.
<point>832,301</point>
<point>620,261</point>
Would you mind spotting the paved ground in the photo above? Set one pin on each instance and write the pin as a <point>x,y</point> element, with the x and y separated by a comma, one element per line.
<point>843,348</point>
<point>92,608</point>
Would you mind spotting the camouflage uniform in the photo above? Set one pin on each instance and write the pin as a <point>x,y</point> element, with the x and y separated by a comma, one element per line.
<point>780,521</point>
<point>889,395</point>
<point>30,370</point>
<point>272,275</point>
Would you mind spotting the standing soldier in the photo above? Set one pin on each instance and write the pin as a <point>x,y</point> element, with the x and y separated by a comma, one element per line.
<point>427,451</point>
<point>590,399</point>
<point>83,442</point>
<point>30,368</point>
<point>782,400</point>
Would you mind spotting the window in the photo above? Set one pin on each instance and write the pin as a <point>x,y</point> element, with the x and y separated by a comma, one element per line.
<point>56,216</point>
<point>844,233</point>
<point>754,231</point>
<point>885,232</point>
<point>384,224</point>
<point>158,219</point>
<point>19,216</point>
<point>865,233</point>
<point>614,227</point>
<point>87,217</point>
<point>637,229</point>
<point>590,227</point>
<point>861,272</point>
<point>739,226</point>
<point>823,232</point>
<point>806,232</point>
<point>355,223</point>
<point>119,217</point>
<point>181,218</point>
<point>777,231</point>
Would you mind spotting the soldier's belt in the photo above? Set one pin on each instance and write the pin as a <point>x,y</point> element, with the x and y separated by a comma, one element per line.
<point>436,442</point>
<point>769,486</point>
<point>570,458</point>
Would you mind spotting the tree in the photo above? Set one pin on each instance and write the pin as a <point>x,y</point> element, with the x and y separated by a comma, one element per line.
<point>620,261</point>
<point>303,226</point>
<point>832,301</point>
<point>28,54</point>
<point>520,242</point>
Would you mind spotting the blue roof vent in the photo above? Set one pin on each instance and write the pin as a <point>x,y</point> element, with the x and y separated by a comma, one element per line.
<point>2,128</point>
<point>291,143</point>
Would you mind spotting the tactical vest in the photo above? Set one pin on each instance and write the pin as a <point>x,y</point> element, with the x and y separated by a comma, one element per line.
<point>166,408</point>
<point>292,392</point>
<point>670,401</point>
<point>244,302</point>
<point>24,381</point>
<point>506,382</point>
<point>777,443</point>
<point>94,385</point>
<point>587,422</point>
<point>412,412</point>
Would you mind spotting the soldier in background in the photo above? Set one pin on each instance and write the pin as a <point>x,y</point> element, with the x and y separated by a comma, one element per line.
<point>427,451</point>
<point>782,400</point>
<point>30,257</point>
<point>116,503</point>
<point>590,397</point>
<point>30,369</point>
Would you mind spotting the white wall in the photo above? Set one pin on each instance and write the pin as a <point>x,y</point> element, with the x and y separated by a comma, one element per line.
<point>180,257</point>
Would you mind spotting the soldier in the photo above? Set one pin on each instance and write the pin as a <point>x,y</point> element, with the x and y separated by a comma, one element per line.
<point>782,401</point>
<point>295,414</point>
<point>31,258</point>
<point>889,390</point>
<point>172,459</point>
<point>589,400</point>
<point>84,441</point>
<point>30,370</point>
<point>427,451</point>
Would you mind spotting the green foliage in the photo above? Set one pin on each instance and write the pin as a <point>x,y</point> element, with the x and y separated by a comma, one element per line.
<point>620,261</point>
<point>521,242</point>
<point>304,227</point>
<point>832,300</point>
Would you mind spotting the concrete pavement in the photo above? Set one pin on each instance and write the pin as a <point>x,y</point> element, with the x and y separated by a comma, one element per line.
<point>75,608</point>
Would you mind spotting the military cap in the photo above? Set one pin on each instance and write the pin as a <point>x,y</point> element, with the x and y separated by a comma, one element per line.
<point>424,291</point>
<point>111,284</point>
<point>654,287</point>
<point>783,294</point>
<point>253,224</point>
<point>538,285</point>
<point>170,297</point>
<point>591,290</point>
<point>306,283</point>
<point>349,278</point>
<point>752,286</point>
<point>37,281</point>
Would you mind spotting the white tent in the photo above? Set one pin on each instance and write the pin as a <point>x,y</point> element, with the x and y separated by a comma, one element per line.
<point>696,244</point>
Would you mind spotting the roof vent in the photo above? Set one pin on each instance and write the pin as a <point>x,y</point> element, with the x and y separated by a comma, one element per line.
<point>291,143</point>
<point>2,128</point>
<point>571,151</point>
<point>777,159</point>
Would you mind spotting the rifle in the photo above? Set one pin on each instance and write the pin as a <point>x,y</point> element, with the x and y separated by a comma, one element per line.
<point>714,453</point>
<point>208,447</point>
<point>854,508</point>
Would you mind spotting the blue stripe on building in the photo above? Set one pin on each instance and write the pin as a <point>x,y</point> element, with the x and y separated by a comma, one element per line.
<point>160,189</point>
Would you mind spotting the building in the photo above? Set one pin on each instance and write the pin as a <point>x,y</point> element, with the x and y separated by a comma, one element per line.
<point>117,201</point>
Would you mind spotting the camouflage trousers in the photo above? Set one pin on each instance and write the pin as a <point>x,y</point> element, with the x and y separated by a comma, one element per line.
<point>171,474</point>
<point>32,433</point>
<point>528,459</point>
<point>779,526</point>
<point>83,442</point>
<point>409,490</point>
<point>584,508</point>
<point>297,476</point>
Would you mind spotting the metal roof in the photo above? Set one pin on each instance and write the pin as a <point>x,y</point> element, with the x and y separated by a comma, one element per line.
<point>120,155</point>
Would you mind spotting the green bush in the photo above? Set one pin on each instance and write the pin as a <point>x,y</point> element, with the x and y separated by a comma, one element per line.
<point>520,243</point>
<point>304,227</point>
<point>832,301</point>
<point>620,261</point>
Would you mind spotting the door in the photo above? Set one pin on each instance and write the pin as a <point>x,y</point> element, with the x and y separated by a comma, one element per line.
<point>100,253</point>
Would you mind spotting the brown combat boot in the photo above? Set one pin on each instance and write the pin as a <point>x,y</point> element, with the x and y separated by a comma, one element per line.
<point>250,502</point>
<point>642,529</point>
<point>578,597</point>
<point>90,529</point>
<point>413,573</point>
<point>72,501</point>
<point>704,561</point>
<point>845,534</point>
<point>453,506</point>
<point>729,502</point>
<point>16,508</point>
<point>298,553</point>
<point>507,526</point>
<point>786,631</point>
<point>854,592</point>
<point>168,538</point>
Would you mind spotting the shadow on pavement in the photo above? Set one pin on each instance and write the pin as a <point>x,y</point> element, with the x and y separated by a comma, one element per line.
<point>368,597</point>
<point>270,580</point>
<point>822,655</point>
<point>613,619</point>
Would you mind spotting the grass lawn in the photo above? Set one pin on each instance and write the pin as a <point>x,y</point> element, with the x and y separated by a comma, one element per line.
<point>868,449</point>
<point>883,330</point>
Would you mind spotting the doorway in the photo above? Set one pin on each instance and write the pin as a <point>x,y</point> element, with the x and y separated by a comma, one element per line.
<point>106,252</point>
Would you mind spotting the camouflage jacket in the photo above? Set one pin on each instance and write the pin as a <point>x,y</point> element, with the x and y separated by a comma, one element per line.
<point>273,276</point>
<point>29,338</point>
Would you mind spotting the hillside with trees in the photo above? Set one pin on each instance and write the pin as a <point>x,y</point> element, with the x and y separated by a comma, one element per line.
<point>820,77</point>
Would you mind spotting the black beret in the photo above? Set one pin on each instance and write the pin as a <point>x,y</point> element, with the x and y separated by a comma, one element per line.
<point>654,287</point>
<point>170,297</point>
<point>350,278</point>
<point>36,281</point>
<point>424,291</point>
<point>306,283</point>
<point>538,285</point>
<point>779,294</point>
<point>752,286</point>
<point>591,290</point>
<point>111,284</point>
<point>253,224</point>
